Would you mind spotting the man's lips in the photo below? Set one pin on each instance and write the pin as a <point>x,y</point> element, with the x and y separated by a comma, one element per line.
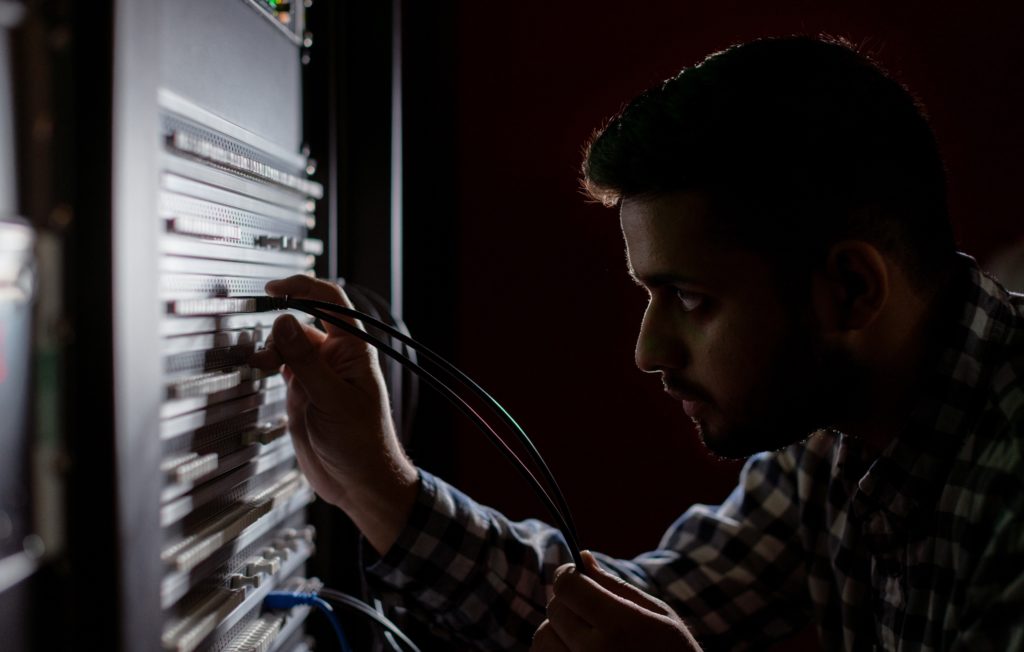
<point>684,391</point>
<point>681,395</point>
<point>693,409</point>
<point>693,400</point>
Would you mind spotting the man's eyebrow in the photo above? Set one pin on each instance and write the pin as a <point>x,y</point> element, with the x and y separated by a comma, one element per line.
<point>657,280</point>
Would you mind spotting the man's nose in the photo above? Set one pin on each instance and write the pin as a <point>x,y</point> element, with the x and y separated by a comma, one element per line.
<point>659,345</point>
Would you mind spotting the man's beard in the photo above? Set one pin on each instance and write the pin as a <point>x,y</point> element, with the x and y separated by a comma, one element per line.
<point>740,442</point>
<point>804,392</point>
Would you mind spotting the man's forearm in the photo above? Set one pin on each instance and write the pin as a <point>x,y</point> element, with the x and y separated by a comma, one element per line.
<point>380,508</point>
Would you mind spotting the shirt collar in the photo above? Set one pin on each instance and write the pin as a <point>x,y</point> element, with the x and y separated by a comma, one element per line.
<point>907,477</point>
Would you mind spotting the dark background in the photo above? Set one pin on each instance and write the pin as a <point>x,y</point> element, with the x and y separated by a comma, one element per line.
<point>522,281</point>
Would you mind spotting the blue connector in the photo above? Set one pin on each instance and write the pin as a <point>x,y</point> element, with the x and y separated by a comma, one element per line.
<point>286,599</point>
<point>280,600</point>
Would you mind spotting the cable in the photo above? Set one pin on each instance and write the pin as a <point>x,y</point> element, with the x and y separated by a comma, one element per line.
<point>378,607</point>
<point>328,611</point>
<point>561,513</point>
<point>279,600</point>
<point>403,384</point>
<point>361,607</point>
<point>498,408</point>
<point>466,409</point>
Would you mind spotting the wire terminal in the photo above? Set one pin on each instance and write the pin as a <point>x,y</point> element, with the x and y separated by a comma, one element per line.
<point>268,304</point>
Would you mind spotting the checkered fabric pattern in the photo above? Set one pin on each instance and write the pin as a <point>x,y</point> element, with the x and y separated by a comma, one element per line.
<point>921,548</point>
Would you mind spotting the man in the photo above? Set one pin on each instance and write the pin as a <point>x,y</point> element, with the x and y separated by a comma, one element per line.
<point>783,203</point>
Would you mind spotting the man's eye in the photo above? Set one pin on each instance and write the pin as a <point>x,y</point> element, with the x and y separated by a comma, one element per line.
<point>689,300</point>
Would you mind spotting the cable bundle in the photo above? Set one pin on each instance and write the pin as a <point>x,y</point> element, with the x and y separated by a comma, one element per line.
<point>327,312</point>
<point>277,600</point>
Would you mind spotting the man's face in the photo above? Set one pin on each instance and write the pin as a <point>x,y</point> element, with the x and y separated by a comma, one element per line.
<point>743,362</point>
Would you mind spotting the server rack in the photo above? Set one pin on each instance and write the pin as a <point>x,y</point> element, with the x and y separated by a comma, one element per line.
<point>216,134</point>
<point>170,175</point>
<point>235,211</point>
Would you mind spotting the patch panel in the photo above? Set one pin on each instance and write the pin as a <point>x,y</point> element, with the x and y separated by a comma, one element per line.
<point>234,212</point>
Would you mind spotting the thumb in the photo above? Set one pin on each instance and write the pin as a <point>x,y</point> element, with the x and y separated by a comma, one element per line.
<point>302,356</point>
<point>619,587</point>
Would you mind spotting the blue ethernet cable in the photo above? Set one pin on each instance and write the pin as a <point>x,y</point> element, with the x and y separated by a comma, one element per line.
<point>286,600</point>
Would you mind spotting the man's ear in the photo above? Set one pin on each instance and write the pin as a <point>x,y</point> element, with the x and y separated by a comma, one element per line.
<point>853,286</point>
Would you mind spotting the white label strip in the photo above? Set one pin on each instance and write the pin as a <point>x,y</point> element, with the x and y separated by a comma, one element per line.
<point>204,149</point>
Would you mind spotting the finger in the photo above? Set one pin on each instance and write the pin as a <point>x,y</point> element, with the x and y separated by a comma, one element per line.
<point>563,569</point>
<point>588,599</point>
<point>547,640</point>
<point>297,403</point>
<point>617,586</point>
<point>570,627</point>
<point>302,356</point>
<point>305,454</point>
<point>296,398</point>
<point>301,286</point>
<point>267,358</point>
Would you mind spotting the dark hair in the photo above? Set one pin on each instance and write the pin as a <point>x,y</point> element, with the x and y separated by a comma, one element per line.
<point>798,141</point>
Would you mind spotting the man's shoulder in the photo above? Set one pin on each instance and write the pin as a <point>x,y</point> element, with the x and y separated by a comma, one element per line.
<point>998,437</point>
<point>989,467</point>
<point>991,461</point>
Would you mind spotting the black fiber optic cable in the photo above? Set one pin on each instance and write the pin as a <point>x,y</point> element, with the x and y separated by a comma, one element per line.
<point>272,303</point>
<point>462,377</point>
<point>466,409</point>
<point>451,369</point>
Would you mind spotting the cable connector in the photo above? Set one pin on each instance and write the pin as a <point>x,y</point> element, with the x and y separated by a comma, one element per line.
<point>280,600</point>
<point>268,304</point>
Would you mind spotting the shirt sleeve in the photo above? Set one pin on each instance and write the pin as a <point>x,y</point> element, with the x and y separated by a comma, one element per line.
<point>468,571</point>
<point>734,572</point>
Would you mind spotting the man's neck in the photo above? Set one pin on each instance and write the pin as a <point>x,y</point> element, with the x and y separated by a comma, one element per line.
<point>889,385</point>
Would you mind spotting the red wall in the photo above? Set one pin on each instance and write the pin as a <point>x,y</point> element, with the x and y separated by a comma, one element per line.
<point>547,316</point>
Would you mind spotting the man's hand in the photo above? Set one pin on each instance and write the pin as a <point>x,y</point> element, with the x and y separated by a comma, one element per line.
<point>339,416</point>
<point>601,613</point>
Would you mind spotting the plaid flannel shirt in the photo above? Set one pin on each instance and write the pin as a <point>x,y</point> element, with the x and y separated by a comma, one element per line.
<point>919,549</point>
